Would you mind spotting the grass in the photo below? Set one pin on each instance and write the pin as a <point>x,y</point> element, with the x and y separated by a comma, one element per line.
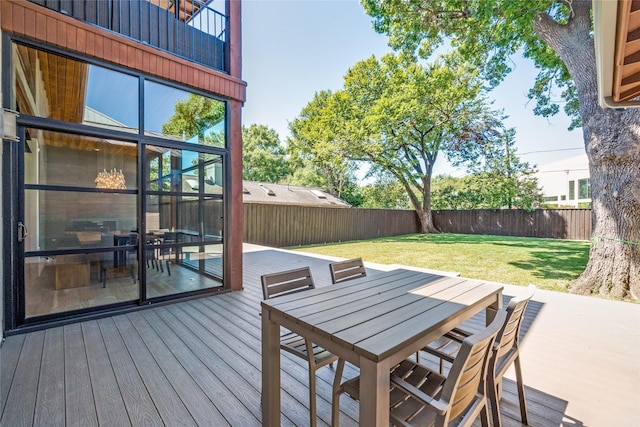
<point>548,263</point>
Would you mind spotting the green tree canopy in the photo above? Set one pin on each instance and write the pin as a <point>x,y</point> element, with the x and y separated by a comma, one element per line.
<point>400,114</point>
<point>487,34</point>
<point>264,157</point>
<point>558,36</point>
<point>193,116</point>
<point>317,154</point>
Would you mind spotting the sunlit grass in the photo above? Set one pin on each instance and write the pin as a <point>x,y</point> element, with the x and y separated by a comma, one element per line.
<point>547,263</point>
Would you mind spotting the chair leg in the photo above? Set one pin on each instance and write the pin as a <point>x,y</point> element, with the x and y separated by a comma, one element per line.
<point>312,397</point>
<point>492,392</point>
<point>335,396</point>
<point>521,395</point>
<point>168,268</point>
<point>484,415</point>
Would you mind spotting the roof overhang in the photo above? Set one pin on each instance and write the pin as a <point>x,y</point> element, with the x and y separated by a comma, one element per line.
<point>616,26</point>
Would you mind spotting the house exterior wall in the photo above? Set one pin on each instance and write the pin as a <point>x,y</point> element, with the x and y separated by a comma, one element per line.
<point>33,23</point>
<point>562,181</point>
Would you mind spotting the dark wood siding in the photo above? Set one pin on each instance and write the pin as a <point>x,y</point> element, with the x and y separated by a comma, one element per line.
<point>56,29</point>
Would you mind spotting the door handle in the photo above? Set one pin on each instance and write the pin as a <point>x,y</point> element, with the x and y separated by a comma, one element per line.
<point>23,232</point>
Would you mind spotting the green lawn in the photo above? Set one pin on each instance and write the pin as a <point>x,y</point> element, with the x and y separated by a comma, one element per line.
<point>547,263</point>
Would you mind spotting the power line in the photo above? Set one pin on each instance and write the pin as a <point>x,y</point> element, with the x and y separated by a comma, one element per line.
<point>552,151</point>
<point>563,170</point>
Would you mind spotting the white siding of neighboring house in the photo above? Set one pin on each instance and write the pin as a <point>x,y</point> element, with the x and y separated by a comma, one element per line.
<point>565,182</point>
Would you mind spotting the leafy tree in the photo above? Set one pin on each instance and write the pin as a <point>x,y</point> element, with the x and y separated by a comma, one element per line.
<point>484,191</point>
<point>557,35</point>
<point>317,156</point>
<point>502,178</point>
<point>264,158</point>
<point>399,115</point>
<point>385,193</point>
<point>193,116</point>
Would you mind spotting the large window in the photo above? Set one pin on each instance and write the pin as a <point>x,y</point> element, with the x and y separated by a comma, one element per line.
<point>183,116</point>
<point>584,188</point>
<point>572,190</point>
<point>56,87</point>
<point>121,183</point>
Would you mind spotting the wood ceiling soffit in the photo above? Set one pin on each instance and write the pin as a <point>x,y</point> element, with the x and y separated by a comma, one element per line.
<point>626,77</point>
<point>65,82</point>
<point>80,143</point>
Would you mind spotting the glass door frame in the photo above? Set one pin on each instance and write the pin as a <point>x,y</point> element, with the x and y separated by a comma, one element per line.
<point>14,214</point>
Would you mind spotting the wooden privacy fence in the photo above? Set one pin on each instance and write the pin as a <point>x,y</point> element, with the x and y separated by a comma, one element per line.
<point>291,225</point>
<point>571,224</point>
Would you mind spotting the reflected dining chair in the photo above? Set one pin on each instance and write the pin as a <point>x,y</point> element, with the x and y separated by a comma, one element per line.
<point>341,271</point>
<point>286,283</point>
<point>419,396</point>
<point>110,261</point>
<point>506,351</point>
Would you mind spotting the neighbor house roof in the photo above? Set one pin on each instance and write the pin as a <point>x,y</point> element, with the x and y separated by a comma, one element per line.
<point>262,192</point>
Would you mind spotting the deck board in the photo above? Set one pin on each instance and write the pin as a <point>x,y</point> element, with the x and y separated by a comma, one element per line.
<point>51,394</point>
<point>80,405</point>
<point>140,407</point>
<point>166,399</point>
<point>110,407</point>
<point>21,401</point>
<point>198,362</point>
<point>9,355</point>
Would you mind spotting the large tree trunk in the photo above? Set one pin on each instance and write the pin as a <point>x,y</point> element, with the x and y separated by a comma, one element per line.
<point>426,221</point>
<point>612,143</point>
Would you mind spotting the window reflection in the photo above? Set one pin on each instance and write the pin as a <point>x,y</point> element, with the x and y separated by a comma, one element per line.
<point>56,87</point>
<point>180,115</point>
<point>183,171</point>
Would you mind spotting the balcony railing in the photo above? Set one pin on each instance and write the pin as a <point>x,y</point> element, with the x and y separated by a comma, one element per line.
<point>191,29</point>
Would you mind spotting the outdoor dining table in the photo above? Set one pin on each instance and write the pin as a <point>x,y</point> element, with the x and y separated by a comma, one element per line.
<point>374,323</point>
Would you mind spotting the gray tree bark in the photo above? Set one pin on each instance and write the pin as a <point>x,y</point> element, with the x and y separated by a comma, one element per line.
<point>612,144</point>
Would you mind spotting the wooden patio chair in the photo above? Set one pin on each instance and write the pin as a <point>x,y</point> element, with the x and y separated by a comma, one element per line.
<point>289,282</point>
<point>342,271</point>
<point>506,351</point>
<point>422,397</point>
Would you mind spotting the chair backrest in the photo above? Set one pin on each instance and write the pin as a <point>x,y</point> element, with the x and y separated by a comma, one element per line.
<point>468,372</point>
<point>286,282</point>
<point>342,271</point>
<point>509,334</point>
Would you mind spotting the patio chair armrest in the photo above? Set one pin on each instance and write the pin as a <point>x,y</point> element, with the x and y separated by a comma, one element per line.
<point>439,406</point>
<point>438,348</point>
<point>457,334</point>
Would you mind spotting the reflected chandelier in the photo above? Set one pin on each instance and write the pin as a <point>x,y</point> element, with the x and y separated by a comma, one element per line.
<point>113,180</point>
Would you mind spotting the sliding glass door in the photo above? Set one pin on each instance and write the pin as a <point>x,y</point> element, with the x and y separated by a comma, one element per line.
<point>184,217</point>
<point>80,213</point>
<point>114,196</point>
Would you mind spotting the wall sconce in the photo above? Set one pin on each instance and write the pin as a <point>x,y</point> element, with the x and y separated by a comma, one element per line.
<point>8,125</point>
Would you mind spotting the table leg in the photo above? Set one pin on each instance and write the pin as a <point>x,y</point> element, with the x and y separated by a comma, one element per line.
<point>270,371</point>
<point>492,309</point>
<point>374,393</point>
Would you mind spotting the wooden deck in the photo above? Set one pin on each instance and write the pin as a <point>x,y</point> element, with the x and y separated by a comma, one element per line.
<point>198,363</point>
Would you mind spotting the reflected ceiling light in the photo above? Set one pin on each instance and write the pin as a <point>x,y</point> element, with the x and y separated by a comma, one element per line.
<point>112,180</point>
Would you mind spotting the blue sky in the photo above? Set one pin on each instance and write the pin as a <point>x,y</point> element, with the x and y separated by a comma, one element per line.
<point>294,48</point>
